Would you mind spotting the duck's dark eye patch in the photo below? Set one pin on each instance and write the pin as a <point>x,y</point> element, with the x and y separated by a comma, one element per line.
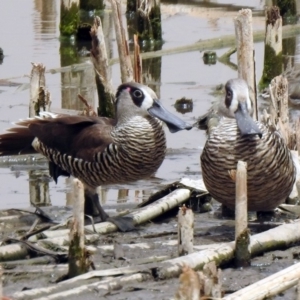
<point>137,97</point>
<point>228,98</point>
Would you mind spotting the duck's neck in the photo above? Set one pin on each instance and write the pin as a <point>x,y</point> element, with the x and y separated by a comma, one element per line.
<point>145,131</point>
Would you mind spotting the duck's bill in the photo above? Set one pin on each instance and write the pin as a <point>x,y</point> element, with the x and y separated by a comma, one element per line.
<point>174,123</point>
<point>245,123</point>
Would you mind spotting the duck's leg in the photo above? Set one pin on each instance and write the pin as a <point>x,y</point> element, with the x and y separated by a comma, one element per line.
<point>93,207</point>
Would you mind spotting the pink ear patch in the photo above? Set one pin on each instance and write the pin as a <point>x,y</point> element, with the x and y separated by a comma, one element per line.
<point>128,89</point>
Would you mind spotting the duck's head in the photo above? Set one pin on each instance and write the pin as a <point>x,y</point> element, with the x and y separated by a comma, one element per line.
<point>237,104</point>
<point>134,99</point>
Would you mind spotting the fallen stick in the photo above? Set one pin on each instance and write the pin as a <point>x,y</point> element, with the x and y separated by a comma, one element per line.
<point>79,281</point>
<point>140,216</point>
<point>60,269</point>
<point>13,252</point>
<point>269,286</point>
<point>104,286</point>
<point>279,237</point>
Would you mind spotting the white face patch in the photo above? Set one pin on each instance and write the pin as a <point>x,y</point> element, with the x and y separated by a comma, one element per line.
<point>148,100</point>
<point>249,104</point>
<point>240,93</point>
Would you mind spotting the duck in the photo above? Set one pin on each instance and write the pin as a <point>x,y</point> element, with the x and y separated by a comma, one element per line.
<point>100,151</point>
<point>233,135</point>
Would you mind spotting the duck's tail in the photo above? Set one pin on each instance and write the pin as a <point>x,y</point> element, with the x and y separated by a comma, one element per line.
<point>16,140</point>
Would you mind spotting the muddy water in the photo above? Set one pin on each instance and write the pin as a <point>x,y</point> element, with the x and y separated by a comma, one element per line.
<point>29,33</point>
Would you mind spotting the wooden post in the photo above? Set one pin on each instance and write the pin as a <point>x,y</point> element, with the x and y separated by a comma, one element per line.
<point>39,96</point>
<point>1,286</point>
<point>245,53</point>
<point>242,235</point>
<point>78,257</point>
<point>298,290</point>
<point>279,111</point>
<point>39,102</point>
<point>124,57</point>
<point>102,71</point>
<point>137,61</point>
<point>185,231</point>
<point>189,285</point>
<point>273,47</point>
<point>297,130</point>
<point>269,286</point>
<point>206,284</point>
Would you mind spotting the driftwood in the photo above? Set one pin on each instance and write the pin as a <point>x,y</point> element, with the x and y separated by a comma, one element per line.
<point>282,236</point>
<point>270,286</point>
<point>60,291</point>
<point>13,252</point>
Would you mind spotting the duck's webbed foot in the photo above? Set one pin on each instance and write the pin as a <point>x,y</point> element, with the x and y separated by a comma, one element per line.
<point>94,208</point>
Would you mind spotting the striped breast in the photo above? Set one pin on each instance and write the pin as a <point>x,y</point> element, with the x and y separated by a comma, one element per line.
<point>270,171</point>
<point>137,151</point>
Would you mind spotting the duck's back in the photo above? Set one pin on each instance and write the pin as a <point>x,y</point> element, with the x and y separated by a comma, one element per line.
<point>270,167</point>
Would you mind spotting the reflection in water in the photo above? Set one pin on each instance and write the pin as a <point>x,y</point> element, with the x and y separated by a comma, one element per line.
<point>45,22</point>
<point>184,105</point>
<point>152,73</point>
<point>81,82</point>
<point>39,187</point>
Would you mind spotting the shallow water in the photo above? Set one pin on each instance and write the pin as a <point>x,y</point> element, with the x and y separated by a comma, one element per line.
<point>29,33</point>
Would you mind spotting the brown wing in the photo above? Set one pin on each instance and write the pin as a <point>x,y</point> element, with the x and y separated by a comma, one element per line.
<point>78,136</point>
